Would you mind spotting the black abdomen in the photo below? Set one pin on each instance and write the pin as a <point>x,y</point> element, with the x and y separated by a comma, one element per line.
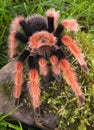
<point>37,23</point>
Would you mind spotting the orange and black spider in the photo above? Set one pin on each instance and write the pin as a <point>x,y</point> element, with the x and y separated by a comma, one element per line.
<point>44,41</point>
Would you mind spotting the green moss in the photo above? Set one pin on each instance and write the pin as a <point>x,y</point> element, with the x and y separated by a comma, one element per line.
<point>6,88</point>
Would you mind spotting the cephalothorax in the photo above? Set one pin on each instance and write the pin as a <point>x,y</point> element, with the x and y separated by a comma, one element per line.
<point>44,39</point>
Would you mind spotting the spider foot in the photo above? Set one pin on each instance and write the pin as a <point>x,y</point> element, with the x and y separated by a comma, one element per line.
<point>16,101</point>
<point>37,114</point>
<point>46,78</point>
<point>58,77</point>
<point>85,68</point>
<point>81,100</point>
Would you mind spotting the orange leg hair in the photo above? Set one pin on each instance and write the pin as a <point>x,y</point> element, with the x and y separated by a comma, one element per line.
<point>71,79</point>
<point>12,43</point>
<point>56,67</point>
<point>70,43</point>
<point>70,24</point>
<point>43,68</point>
<point>34,88</point>
<point>18,81</point>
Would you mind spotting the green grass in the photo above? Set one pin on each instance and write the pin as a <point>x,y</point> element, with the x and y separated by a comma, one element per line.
<point>5,121</point>
<point>59,98</point>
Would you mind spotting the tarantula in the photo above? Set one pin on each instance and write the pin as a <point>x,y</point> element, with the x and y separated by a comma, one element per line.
<point>44,41</point>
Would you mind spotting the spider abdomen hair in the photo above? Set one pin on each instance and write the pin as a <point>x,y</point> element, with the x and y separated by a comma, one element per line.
<point>37,23</point>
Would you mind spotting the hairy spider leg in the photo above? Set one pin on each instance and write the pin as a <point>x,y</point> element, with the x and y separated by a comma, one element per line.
<point>69,42</point>
<point>20,36</point>
<point>70,76</point>
<point>55,67</point>
<point>44,71</point>
<point>70,24</point>
<point>52,17</point>
<point>58,33</point>
<point>58,30</point>
<point>18,79</point>
<point>50,24</point>
<point>12,43</point>
<point>34,85</point>
<point>26,28</point>
<point>76,51</point>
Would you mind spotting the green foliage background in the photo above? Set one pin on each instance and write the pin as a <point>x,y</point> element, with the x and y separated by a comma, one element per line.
<point>59,98</point>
